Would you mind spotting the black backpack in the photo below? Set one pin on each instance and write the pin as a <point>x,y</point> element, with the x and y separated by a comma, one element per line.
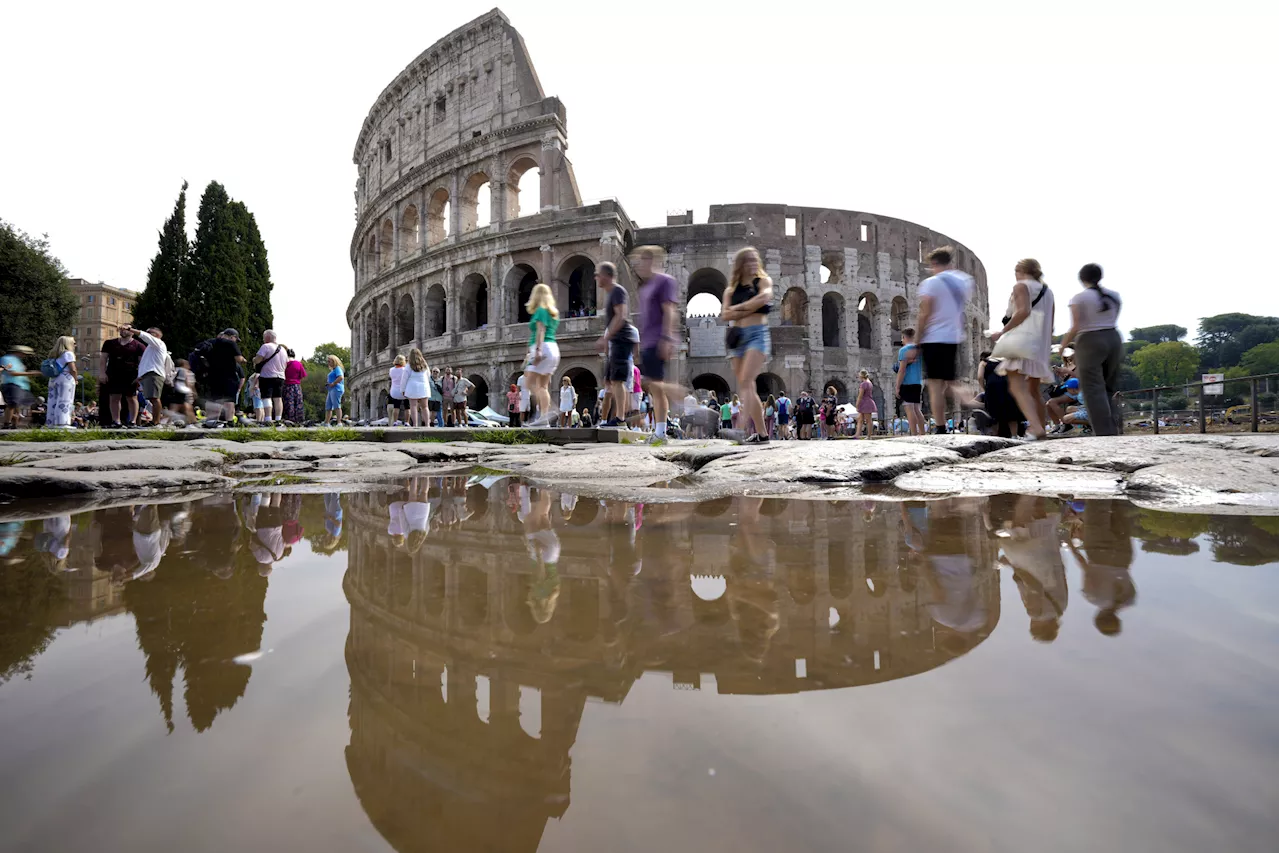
<point>199,359</point>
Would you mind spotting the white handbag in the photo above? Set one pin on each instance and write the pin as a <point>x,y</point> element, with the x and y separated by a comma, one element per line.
<point>1023,340</point>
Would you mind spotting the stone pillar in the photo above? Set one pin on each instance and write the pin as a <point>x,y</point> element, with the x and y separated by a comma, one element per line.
<point>497,202</point>
<point>419,300</point>
<point>496,302</point>
<point>546,272</point>
<point>455,209</point>
<point>550,164</point>
<point>396,213</point>
<point>450,300</point>
<point>422,216</point>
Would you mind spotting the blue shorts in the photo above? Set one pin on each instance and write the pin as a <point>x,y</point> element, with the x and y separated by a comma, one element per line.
<point>753,338</point>
<point>333,399</point>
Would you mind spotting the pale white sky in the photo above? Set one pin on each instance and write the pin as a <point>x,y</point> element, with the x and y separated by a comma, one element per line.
<point>1136,135</point>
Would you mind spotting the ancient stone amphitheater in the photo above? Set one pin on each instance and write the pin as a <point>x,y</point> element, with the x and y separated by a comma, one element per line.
<point>465,199</point>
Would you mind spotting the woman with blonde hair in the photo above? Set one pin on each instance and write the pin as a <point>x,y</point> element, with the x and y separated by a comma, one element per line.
<point>417,387</point>
<point>1023,344</point>
<point>746,305</point>
<point>865,405</point>
<point>397,402</point>
<point>62,386</point>
<point>335,385</point>
<point>544,352</point>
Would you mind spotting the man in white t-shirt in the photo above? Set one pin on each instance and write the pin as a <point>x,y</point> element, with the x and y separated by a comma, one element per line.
<point>943,297</point>
<point>271,360</point>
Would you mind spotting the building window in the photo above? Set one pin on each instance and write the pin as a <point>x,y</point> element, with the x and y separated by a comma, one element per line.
<point>866,232</point>
<point>111,300</point>
<point>75,332</point>
<point>89,299</point>
<point>791,226</point>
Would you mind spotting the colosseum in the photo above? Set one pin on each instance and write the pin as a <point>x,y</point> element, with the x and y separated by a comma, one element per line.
<point>465,199</point>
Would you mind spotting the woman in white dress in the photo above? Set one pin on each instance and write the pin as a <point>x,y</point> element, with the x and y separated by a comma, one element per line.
<point>62,388</point>
<point>417,387</point>
<point>1023,344</point>
<point>568,400</point>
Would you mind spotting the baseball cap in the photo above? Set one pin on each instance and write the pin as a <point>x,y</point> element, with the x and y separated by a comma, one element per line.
<point>1073,383</point>
<point>230,333</point>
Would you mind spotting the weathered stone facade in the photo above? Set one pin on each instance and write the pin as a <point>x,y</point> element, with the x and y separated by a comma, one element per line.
<point>469,115</point>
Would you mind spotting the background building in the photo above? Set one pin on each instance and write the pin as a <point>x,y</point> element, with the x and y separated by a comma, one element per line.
<point>103,309</point>
<point>465,199</point>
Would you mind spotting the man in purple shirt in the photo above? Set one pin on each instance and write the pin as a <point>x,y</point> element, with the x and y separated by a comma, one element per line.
<point>659,295</point>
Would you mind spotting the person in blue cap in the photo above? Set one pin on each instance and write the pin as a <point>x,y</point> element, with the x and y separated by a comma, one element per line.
<point>1063,403</point>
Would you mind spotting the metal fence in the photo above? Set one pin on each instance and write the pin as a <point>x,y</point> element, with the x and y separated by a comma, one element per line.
<point>1200,413</point>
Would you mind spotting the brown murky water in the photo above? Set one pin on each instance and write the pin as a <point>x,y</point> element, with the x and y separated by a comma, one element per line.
<point>474,665</point>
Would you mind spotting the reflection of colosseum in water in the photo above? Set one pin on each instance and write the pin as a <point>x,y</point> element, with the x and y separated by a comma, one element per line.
<point>465,199</point>
<point>464,708</point>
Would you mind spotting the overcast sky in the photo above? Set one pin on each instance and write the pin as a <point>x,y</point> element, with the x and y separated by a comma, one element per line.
<point>1136,135</point>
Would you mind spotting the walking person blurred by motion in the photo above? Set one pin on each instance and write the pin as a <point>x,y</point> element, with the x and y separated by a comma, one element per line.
<point>1099,350</point>
<point>335,386</point>
<point>1023,344</point>
<point>222,360</point>
<point>865,406</point>
<point>15,383</point>
<point>617,343</point>
<point>943,297</point>
<point>416,388</point>
<point>62,384</point>
<point>294,372</point>
<point>747,302</point>
<point>659,298</point>
<point>544,352</point>
<point>910,382</point>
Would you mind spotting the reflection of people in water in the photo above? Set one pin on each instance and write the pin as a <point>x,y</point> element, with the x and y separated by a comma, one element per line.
<point>955,601</point>
<point>332,524</point>
<point>10,531</point>
<point>1105,558</point>
<point>150,539</point>
<point>267,544</point>
<point>544,550</point>
<point>749,585</point>
<point>54,540</point>
<point>1026,531</point>
<point>396,523</point>
<point>417,515</point>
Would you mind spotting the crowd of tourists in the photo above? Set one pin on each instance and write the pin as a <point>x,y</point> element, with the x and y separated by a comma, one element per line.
<point>1022,390</point>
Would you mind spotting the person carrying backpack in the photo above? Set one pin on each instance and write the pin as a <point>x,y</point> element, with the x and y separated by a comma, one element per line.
<point>805,408</point>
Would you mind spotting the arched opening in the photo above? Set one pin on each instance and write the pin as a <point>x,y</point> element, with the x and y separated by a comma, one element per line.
<point>433,588</point>
<point>384,326</point>
<point>473,596</point>
<point>712,382</point>
<point>435,314</point>
<point>520,281</point>
<point>795,307</point>
<point>438,216</point>
<point>371,254</point>
<point>515,607</point>
<point>708,280</point>
<point>770,384</point>
<point>584,382</point>
<point>578,273</point>
<point>370,341</point>
<point>824,274</point>
<point>404,320</point>
<point>524,179</point>
<point>839,575</point>
<point>409,231</point>
<point>401,580</point>
<point>475,202</point>
<point>832,320</point>
<point>868,306</point>
<point>702,305</point>
<point>479,396</point>
<point>842,390</point>
<point>387,237</point>
<point>474,303</point>
<point>801,583</point>
<point>899,314</point>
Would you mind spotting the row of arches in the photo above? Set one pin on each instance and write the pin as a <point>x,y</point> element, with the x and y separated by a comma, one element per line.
<point>403,233</point>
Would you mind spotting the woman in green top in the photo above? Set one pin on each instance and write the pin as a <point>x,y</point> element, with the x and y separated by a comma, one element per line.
<point>544,353</point>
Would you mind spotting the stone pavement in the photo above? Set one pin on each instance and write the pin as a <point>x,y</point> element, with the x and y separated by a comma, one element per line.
<point>1205,473</point>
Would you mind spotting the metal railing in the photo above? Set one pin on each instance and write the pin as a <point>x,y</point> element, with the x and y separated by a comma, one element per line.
<point>1154,394</point>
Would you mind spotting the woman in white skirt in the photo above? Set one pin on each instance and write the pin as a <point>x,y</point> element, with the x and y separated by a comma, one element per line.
<point>544,352</point>
<point>62,387</point>
<point>568,401</point>
<point>1023,344</point>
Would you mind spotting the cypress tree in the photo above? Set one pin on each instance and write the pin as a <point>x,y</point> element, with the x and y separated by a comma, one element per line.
<point>217,295</point>
<point>161,303</point>
<point>257,271</point>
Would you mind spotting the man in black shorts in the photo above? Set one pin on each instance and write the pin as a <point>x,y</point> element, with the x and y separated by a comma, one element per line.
<point>618,343</point>
<point>120,359</point>
<point>659,297</point>
<point>224,375</point>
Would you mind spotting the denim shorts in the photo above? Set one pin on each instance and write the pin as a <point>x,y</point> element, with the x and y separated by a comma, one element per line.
<point>753,338</point>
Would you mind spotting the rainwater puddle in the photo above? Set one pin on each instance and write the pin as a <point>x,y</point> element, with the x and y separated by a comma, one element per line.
<point>471,664</point>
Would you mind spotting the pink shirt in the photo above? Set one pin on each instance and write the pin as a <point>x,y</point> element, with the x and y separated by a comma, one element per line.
<point>294,373</point>
<point>635,379</point>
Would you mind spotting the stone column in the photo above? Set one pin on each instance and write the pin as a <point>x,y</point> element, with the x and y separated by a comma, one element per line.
<point>395,235</point>
<point>497,203</point>
<point>450,301</point>
<point>549,165</point>
<point>419,298</point>
<point>422,216</point>
<point>545,274</point>
<point>455,209</point>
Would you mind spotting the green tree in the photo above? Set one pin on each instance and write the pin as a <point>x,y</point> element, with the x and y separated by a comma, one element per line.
<point>38,304</point>
<point>160,303</point>
<point>1158,334</point>
<point>1264,358</point>
<point>1223,339</point>
<point>257,270</point>
<point>1169,363</point>
<point>321,355</point>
